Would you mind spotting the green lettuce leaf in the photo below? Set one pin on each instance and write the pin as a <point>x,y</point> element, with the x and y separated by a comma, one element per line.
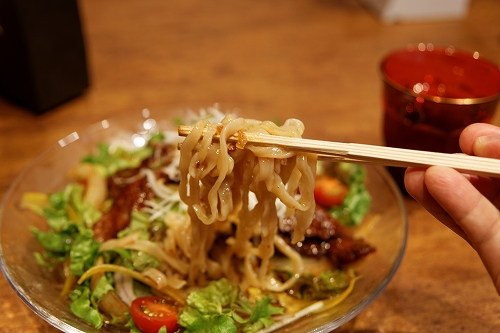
<point>85,303</point>
<point>82,306</point>
<point>122,256</point>
<point>83,253</point>
<point>102,287</point>
<point>56,212</point>
<point>212,324</point>
<point>68,236</point>
<point>49,259</point>
<point>142,261</point>
<point>222,307</point>
<point>59,242</point>
<point>112,161</point>
<point>67,209</point>
<point>139,223</point>
<point>86,212</point>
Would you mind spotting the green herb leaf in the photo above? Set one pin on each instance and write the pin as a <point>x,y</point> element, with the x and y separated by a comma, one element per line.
<point>222,307</point>
<point>212,324</point>
<point>357,202</point>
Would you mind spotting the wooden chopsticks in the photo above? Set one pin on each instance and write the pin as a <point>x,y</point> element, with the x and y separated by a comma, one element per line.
<point>370,154</point>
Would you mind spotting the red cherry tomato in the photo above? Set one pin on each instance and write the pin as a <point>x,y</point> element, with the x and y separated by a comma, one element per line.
<point>150,313</point>
<point>329,191</point>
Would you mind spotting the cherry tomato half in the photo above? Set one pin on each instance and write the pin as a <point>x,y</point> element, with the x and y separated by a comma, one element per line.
<point>150,313</point>
<point>329,191</point>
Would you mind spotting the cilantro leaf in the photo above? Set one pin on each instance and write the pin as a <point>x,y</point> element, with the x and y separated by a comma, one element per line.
<point>357,202</point>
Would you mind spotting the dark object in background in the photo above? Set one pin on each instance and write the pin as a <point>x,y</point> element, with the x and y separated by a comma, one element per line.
<point>42,53</point>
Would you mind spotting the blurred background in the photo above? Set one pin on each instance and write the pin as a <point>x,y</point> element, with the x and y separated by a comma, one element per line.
<point>316,60</point>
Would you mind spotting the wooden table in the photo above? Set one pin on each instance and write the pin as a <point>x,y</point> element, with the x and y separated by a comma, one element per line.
<point>315,60</point>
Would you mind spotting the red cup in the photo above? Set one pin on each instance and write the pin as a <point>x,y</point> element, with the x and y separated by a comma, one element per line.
<point>430,94</point>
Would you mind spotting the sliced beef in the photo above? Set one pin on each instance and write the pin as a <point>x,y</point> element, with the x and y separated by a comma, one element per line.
<point>126,199</point>
<point>327,237</point>
<point>129,195</point>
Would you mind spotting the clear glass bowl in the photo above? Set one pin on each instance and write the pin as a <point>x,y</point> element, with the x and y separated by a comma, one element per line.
<point>386,229</point>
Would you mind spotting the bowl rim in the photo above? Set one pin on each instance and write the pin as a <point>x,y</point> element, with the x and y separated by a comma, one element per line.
<point>18,289</point>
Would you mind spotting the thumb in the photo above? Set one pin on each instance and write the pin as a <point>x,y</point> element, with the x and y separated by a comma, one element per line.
<point>487,146</point>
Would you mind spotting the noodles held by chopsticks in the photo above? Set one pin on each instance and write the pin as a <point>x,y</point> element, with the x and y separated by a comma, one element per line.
<point>218,180</point>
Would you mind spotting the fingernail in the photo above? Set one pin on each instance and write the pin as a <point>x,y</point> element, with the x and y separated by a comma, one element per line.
<point>487,138</point>
<point>487,146</point>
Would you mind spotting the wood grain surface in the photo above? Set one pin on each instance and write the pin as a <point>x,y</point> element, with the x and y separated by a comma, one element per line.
<point>316,60</point>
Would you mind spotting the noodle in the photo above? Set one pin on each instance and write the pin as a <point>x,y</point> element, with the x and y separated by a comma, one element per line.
<point>216,179</point>
<point>133,242</point>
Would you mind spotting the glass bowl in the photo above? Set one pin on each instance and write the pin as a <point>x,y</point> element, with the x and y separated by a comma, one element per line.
<point>386,229</point>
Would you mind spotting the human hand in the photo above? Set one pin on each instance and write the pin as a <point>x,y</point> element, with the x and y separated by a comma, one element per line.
<point>469,205</point>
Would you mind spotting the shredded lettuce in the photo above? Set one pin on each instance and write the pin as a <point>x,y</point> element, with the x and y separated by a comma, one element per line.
<point>142,261</point>
<point>68,218</point>
<point>124,256</point>
<point>83,308</point>
<point>83,253</point>
<point>56,213</point>
<point>222,307</point>
<point>85,302</point>
<point>112,161</point>
<point>139,223</point>
<point>49,259</point>
<point>102,287</point>
<point>85,211</point>
<point>58,242</point>
<point>66,208</point>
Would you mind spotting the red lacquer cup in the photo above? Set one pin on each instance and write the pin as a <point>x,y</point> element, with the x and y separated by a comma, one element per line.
<point>430,94</point>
